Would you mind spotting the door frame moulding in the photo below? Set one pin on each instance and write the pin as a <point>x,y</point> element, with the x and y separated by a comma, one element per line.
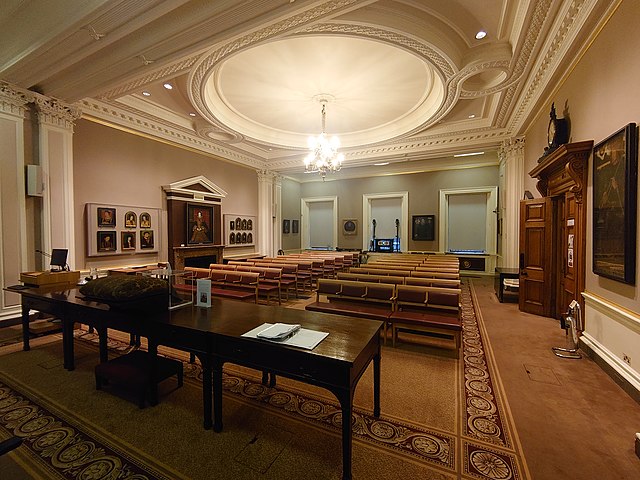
<point>404,221</point>
<point>304,219</point>
<point>491,220</point>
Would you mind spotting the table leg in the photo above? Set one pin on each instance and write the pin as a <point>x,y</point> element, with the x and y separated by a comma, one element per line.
<point>207,393</point>
<point>217,394</point>
<point>25,328</point>
<point>376,384</point>
<point>346,404</point>
<point>102,342</point>
<point>152,352</point>
<point>67,344</point>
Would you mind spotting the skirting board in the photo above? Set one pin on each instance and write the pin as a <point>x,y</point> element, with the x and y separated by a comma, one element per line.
<point>627,382</point>
<point>616,321</point>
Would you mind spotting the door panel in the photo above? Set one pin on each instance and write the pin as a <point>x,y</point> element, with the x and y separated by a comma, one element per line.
<point>536,250</point>
<point>569,248</point>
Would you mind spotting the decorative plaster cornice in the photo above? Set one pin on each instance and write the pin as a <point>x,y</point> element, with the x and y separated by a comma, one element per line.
<point>511,147</point>
<point>444,67</point>
<point>178,68</point>
<point>55,113</point>
<point>140,122</point>
<point>13,100</point>
<point>265,176</point>
<point>575,14</point>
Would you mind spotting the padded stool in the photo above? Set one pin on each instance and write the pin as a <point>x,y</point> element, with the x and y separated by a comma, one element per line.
<point>132,371</point>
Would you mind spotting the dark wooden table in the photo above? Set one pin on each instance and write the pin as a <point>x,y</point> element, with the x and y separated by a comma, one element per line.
<point>214,335</point>
<point>501,274</point>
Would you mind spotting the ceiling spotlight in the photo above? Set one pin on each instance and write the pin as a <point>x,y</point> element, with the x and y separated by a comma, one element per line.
<point>481,34</point>
<point>146,94</point>
<point>168,86</point>
<point>191,114</point>
<point>472,115</point>
<point>381,164</point>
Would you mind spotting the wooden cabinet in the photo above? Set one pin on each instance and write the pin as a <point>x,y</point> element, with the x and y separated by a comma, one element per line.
<point>553,233</point>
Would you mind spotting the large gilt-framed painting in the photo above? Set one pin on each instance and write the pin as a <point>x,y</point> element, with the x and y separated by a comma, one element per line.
<point>199,226</point>
<point>615,181</point>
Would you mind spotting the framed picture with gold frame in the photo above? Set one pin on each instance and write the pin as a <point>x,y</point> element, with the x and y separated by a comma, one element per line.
<point>615,183</point>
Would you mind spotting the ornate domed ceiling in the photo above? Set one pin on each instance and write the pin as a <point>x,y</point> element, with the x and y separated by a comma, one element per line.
<point>406,82</point>
<point>272,93</point>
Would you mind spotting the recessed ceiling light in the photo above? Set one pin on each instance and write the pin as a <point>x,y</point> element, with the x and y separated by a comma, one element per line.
<point>168,86</point>
<point>191,114</point>
<point>381,164</point>
<point>146,94</point>
<point>481,34</point>
<point>472,115</point>
<point>468,154</point>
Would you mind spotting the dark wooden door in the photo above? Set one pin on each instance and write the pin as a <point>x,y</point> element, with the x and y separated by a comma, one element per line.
<point>536,256</point>
<point>569,252</point>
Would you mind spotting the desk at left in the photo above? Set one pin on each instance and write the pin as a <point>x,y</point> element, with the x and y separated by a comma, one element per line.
<point>70,307</point>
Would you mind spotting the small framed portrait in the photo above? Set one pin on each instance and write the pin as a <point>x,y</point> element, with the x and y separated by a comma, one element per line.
<point>295,226</point>
<point>145,220</point>
<point>249,224</point>
<point>232,225</point>
<point>130,220</point>
<point>107,241</point>
<point>106,217</point>
<point>350,227</point>
<point>128,240</point>
<point>238,223</point>
<point>244,237</point>
<point>146,239</point>
<point>232,238</point>
<point>244,224</point>
<point>286,226</point>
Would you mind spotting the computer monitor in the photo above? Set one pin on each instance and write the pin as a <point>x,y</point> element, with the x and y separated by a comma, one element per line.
<point>59,259</point>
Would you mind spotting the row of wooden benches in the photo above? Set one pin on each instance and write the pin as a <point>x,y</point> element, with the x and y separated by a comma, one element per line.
<point>237,285</point>
<point>432,273</point>
<point>401,280</point>
<point>429,310</point>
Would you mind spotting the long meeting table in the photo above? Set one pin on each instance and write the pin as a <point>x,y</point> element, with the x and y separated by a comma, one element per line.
<point>215,336</point>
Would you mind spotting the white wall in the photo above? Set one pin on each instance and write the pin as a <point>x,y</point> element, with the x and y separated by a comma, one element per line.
<point>599,97</point>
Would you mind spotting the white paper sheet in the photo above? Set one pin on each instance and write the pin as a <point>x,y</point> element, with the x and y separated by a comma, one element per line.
<point>305,338</point>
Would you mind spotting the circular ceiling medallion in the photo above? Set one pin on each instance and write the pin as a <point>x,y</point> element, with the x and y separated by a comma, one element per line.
<point>272,93</point>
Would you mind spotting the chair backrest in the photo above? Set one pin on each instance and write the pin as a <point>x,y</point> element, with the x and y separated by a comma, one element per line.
<point>328,286</point>
<point>198,272</point>
<point>218,275</point>
<point>423,274</point>
<point>433,282</point>
<point>428,297</point>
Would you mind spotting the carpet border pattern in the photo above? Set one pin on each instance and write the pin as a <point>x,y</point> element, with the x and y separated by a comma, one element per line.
<point>62,447</point>
<point>485,417</point>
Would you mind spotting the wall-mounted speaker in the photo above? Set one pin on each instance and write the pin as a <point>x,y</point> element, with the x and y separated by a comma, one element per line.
<point>35,185</point>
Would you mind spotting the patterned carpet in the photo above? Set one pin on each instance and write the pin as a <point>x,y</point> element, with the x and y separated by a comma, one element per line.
<point>485,445</point>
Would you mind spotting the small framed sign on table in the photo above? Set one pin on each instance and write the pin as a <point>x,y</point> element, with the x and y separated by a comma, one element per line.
<point>203,292</point>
